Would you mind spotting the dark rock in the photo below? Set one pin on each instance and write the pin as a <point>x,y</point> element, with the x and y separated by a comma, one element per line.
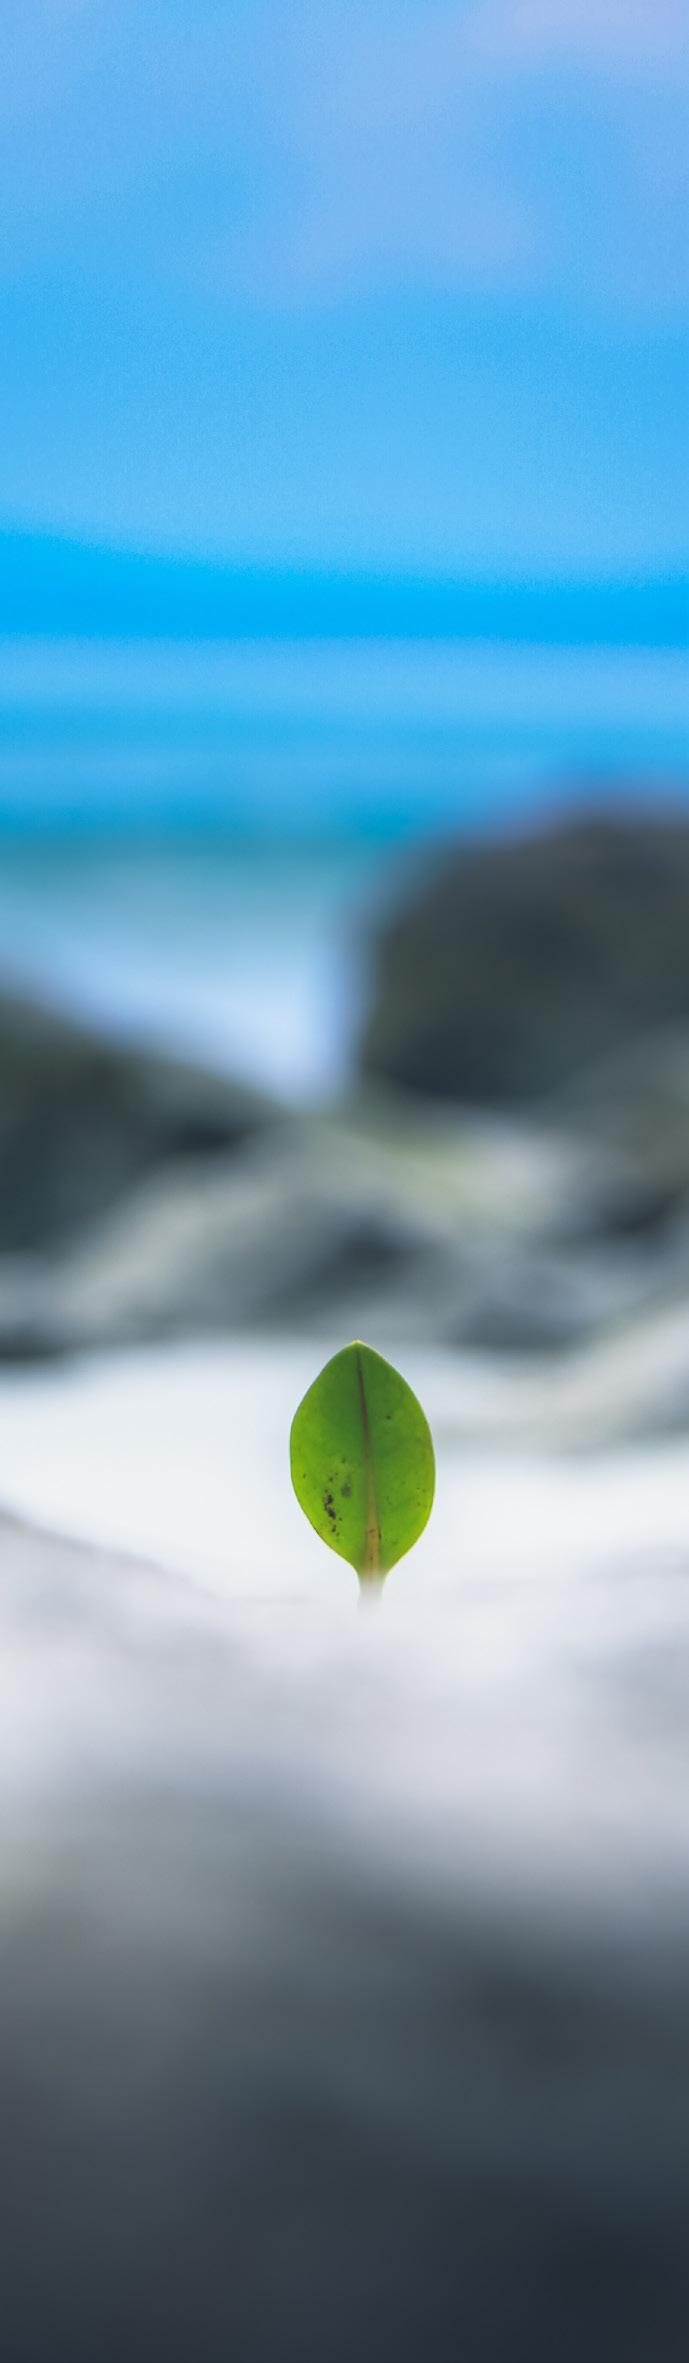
<point>461,1233</point>
<point>84,1118</point>
<point>521,962</point>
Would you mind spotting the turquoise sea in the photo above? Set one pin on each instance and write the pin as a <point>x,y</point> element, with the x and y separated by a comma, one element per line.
<point>193,837</point>
<point>321,735</point>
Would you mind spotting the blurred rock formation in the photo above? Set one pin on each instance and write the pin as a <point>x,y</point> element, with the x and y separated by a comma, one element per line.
<point>511,1175</point>
<point>522,960</point>
<point>84,1118</point>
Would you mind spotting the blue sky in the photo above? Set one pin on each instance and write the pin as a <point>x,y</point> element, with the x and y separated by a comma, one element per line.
<point>399,282</point>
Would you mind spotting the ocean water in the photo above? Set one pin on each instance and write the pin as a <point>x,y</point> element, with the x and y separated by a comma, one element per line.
<point>253,960</point>
<point>195,839</point>
<point>322,736</point>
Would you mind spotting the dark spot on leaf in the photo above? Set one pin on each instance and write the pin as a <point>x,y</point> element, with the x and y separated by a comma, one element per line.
<point>345,1491</point>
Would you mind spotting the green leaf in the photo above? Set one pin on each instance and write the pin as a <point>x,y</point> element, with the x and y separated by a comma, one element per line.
<point>362,1461</point>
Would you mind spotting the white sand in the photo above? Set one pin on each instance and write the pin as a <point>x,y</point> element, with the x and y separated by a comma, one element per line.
<point>527,1670</point>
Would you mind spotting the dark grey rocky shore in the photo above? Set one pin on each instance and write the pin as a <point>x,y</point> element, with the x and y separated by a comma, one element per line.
<point>536,1203</point>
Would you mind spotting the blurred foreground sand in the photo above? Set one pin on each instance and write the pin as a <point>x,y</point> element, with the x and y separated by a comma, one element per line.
<point>343,1958</point>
